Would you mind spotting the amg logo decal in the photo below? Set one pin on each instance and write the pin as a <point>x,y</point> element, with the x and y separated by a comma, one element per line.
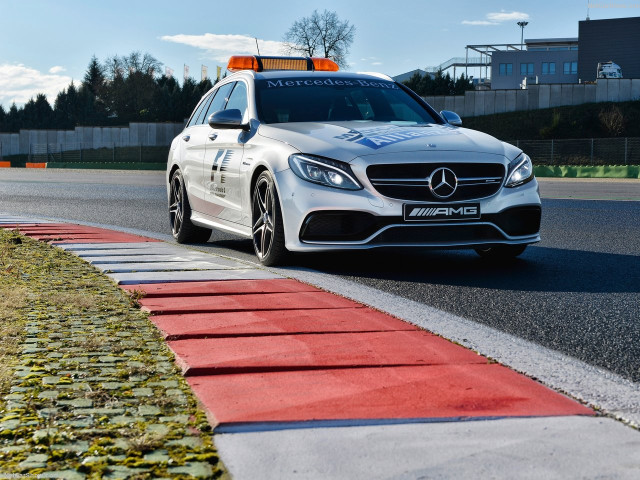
<point>444,212</point>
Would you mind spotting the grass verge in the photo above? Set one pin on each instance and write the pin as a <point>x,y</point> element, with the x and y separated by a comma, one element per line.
<point>596,171</point>
<point>88,388</point>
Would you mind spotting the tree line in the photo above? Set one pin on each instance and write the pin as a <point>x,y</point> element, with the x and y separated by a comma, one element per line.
<point>120,90</point>
<point>439,84</point>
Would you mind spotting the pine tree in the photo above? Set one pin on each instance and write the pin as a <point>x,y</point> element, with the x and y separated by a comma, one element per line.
<point>94,77</point>
<point>3,119</point>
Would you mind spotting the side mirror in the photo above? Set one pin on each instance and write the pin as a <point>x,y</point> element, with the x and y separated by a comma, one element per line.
<point>227,119</point>
<point>452,118</point>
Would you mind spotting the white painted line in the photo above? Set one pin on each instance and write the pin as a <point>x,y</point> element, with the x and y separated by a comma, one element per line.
<point>167,266</point>
<point>112,246</point>
<point>598,387</point>
<point>129,252</point>
<point>192,276</point>
<point>148,258</point>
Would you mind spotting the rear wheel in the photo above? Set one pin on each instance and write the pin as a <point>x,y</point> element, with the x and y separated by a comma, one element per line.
<point>180,214</point>
<point>266,218</point>
<point>500,252</point>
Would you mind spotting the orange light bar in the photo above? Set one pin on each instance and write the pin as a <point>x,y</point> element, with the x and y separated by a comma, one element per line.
<point>324,64</point>
<point>258,64</point>
<point>243,62</point>
<point>284,63</point>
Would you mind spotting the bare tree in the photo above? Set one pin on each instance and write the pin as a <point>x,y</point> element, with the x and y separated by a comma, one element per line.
<point>321,35</point>
<point>612,119</point>
<point>135,62</point>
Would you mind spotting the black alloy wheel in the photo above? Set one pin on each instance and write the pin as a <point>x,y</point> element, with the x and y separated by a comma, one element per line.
<point>266,218</point>
<point>180,213</point>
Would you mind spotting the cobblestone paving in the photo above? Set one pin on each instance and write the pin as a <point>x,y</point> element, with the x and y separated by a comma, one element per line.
<point>95,393</point>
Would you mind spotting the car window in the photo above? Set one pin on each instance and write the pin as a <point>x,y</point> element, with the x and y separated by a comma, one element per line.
<point>219,101</point>
<point>238,99</point>
<point>320,99</point>
<point>198,111</point>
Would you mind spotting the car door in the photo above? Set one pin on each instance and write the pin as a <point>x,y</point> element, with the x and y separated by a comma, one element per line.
<point>223,157</point>
<point>193,143</point>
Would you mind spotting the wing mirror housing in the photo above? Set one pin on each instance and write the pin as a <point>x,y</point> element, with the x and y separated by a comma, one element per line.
<point>452,118</point>
<point>227,119</point>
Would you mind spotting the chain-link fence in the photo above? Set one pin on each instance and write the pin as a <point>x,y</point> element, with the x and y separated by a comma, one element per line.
<point>585,151</point>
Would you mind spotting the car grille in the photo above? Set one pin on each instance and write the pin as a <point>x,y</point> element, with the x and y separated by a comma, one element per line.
<point>438,234</point>
<point>410,181</point>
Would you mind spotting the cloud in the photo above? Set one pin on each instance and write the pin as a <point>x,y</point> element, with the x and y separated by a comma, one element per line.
<point>371,61</point>
<point>496,18</point>
<point>19,83</point>
<point>57,69</point>
<point>507,16</point>
<point>478,22</point>
<point>221,47</point>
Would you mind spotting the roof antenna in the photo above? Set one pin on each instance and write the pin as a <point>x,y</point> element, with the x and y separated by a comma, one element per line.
<point>588,5</point>
<point>257,46</point>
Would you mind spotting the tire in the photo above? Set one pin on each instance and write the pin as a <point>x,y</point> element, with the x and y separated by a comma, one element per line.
<point>266,217</point>
<point>501,252</point>
<point>180,214</point>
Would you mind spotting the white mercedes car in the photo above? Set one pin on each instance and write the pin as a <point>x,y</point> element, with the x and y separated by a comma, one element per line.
<point>303,158</point>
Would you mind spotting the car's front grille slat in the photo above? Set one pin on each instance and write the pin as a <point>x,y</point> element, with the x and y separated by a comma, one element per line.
<point>411,181</point>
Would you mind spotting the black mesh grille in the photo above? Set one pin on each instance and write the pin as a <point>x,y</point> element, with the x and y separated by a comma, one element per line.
<point>517,221</point>
<point>437,234</point>
<point>408,181</point>
<point>342,226</point>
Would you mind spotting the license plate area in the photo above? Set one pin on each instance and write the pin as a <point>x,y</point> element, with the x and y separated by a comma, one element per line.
<point>429,212</point>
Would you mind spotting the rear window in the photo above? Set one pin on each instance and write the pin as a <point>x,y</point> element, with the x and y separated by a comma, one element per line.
<point>327,99</point>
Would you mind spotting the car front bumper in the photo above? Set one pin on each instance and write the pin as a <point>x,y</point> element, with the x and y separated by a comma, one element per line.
<point>319,218</point>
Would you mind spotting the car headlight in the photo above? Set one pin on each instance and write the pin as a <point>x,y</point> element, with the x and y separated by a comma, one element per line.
<point>520,171</point>
<point>324,171</point>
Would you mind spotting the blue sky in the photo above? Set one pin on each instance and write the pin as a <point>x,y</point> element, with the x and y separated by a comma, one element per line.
<point>44,44</point>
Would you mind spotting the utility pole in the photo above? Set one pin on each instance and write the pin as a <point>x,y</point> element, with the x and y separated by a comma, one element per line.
<point>522,25</point>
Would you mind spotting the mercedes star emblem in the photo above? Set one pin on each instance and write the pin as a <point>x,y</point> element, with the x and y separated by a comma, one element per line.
<point>443,183</point>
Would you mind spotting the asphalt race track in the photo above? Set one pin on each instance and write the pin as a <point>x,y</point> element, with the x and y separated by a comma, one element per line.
<point>576,292</point>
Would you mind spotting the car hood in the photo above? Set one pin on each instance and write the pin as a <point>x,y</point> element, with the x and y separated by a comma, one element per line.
<point>346,141</point>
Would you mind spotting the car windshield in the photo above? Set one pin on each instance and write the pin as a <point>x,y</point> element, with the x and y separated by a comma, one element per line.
<point>327,99</point>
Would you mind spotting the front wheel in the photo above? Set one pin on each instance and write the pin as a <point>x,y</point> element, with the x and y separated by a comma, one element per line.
<point>180,213</point>
<point>501,252</point>
<point>266,218</point>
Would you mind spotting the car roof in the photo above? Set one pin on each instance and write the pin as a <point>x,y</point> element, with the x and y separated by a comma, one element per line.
<point>282,74</point>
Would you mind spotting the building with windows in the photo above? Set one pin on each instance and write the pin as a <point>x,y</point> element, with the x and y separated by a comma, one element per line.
<point>613,39</point>
<point>549,60</point>
<point>553,60</point>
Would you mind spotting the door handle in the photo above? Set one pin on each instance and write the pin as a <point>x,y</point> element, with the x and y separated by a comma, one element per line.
<point>186,138</point>
<point>213,136</point>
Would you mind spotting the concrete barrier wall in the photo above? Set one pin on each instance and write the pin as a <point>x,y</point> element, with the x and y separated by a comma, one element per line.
<point>488,102</point>
<point>88,138</point>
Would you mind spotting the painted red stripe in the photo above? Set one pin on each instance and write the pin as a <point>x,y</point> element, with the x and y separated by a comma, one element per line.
<point>70,233</point>
<point>440,391</point>
<point>227,287</point>
<point>246,354</point>
<point>15,226</point>
<point>123,238</point>
<point>201,325</point>
<point>265,301</point>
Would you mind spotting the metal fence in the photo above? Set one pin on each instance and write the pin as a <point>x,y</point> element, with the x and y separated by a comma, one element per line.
<point>52,153</point>
<point>584,151</point>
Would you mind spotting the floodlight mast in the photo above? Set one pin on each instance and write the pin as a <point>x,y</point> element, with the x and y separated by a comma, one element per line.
<point>522,25</point>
